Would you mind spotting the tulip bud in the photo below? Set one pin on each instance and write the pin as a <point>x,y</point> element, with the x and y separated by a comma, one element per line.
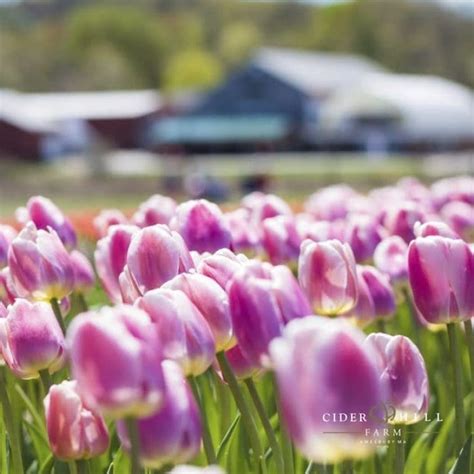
<point>8,293</point>
<point>84,278</point>
<point>265,206</point>
<point>155,210</point>
<point>45,214</point>
<point>324,369</point>
<point>400,219</point>
<point>404,373</point>
<point>155,256</point>
<point>381,292</point>
<point>7,234</point>
<point>108,218</point>
<point>74,431</point>
<point>241,366</point>
<point>244,235</point>
<point>115,358</point>
<point>173,433</point>
<point>31,339</point>
<point>184,333</point>
<point>460,217</point>
<point>280,239</point>
<point>455,189</point>
<point>211,300</point>
<point>363,234</point>
<point>390,257</point>
<point>441,274</point>
<point>111,257</point>
<point>39,264</point>
<point>327,275</point>
<point>330,203</point>
<point>202,226</point>
<point>434,228</point>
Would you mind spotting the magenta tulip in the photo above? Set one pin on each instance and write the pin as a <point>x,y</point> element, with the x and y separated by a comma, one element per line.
<point>7,234</point>
<point>330,203</point>
<point>324,369</point>
<point>202,226</point>
<point>45,214</point>
<point>74,430</point>
<point>241,366</point>
<point>173,433</point>
<point>213,303</point>
<point>8,293</point>
<point>460,217</point>
<point>155,256</point>
<point>115,358</point>
<point>31,339</point>
<point>244,234</point>
<point>265,206</point>
<point>363,234</point>
<point>108,218</point>
<point>434,228</point>
<point>39,264</point>
<point>84,277</point>
<point>184,333</point>
<point>404,374</point>
<point>111,257</point>
<point>280,239</point>
<point>400,219</point>
<point>381,291</point>
<point>391,257</point>
<point>327,275</point>
<point>157,209</point>
<point>441,274</point>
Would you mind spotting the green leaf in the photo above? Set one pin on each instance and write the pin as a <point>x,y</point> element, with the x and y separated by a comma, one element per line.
<point>121,462</point>
<point>227,437</point>
<point>47,465</point>
<point>417,456</point>
<point>463,462</point>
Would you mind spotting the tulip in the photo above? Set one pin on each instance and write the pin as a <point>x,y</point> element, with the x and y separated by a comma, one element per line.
<point>7,234</point>
<point>74,430</point>
<point>84,278</point>
<point>8,293</point>
<point>400,219</point>
<point>115,358</point>
<point>441,274</point>
<point>108,218</point>
<point>244,234</point>
<point>221,266</point>
<point>327,275</point>
<point>155,256</point>
<point>240,365</point>
<point>111,257</point>
<point>264,206</point>
<point>323,368</point>
<point>155,210</point>
<point>45,214</point>
<point>460,217</point>
<point>202,226</point>
<point>434,228</point>
<point>31,339</point>
<point>363,234</point>
<point>185,469</point>
<point>455,189</point>
<point>39,264</point>
<point>330,203</point>
<point>211,300</point>
<point>390,257</point>
<point>404,373</point>
<point>173,433</point>
<point>280,239</point>
<point>381,292</point>
<point>183,331</point>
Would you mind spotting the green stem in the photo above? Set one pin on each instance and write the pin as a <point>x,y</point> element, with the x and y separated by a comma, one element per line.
<point>45,380</point>
<point>348,467</point>
<point>247,418</point>
<point>57,312</point>
<point>206,434</point>
<point>400,452</point>
<point>266,425</point>
<point>17,460</point>
<point>458,385</point>
<point>82,466</point>
<point>72,467</point>
<point>286,442</point>
<point>381,325</point>
<point>470,344</point>
<point>83,306</point>
<point>132,428</point>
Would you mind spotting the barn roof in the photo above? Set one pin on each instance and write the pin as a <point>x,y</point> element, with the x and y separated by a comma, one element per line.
<point>316,74</point>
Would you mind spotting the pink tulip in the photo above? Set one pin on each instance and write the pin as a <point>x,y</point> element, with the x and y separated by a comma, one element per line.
<point>115,358</point>
<point>324,369</point>
<point>221,266</point>
<point>108,218</point>
<point>202,226</point>
<point>244,234</point>
<point>401,218</point>
<point>211,300</point>
<point>327,275</point>
<point>45,214</point>
<point>74,430</point>
<point>391,257</point>
<point>111,257</point>
<point>455,189</point>
<point>460,217</point>
<point>7,234</point>
<point>155,210</point>
<point>434,228</point>
<point>441,274</point>
<point>363,234</point>
<point>155,256</point>
<point>183,331</point>
<point>84,277</point>
<point>31,339</point>
<point>242,367</point>
<point>173,433</point>
<point>404,374</point>
<point>39,264</point>
<point>8,293</point>
<point>263,206</point>
<point>280,239</point>
<point>330,203</point>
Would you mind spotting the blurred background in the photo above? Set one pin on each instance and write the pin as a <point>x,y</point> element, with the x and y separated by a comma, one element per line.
<point>103,103</point>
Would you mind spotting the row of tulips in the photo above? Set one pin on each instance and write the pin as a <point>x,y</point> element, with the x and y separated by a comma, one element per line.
<point>257,340</point>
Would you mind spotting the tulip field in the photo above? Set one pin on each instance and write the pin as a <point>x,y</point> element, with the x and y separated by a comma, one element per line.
<point>186,338</point>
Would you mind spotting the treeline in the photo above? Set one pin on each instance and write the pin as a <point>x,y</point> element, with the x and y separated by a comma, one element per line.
<point>191,44</point>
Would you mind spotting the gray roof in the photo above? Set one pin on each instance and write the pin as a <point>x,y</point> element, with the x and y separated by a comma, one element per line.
<point>316,74</point>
